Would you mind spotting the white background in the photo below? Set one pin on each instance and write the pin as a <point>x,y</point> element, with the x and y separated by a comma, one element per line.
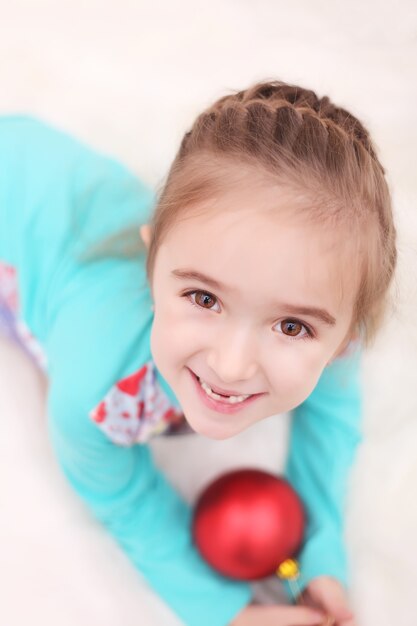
<point>129,77</point>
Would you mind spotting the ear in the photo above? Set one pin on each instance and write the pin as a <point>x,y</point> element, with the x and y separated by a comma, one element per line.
<point>145,233</point>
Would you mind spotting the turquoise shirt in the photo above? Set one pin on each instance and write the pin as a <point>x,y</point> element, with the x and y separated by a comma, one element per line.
<point>58,198</point>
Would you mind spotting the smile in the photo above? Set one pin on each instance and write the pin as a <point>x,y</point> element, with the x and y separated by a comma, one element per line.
<point>230,399</point>
<point>218,402</point>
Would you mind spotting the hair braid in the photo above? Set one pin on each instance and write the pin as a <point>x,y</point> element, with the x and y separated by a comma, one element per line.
<point>294,119</point>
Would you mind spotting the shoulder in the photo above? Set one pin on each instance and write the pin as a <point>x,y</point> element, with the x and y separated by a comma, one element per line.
<point>100,363</point>
<point>98,334</point>
<point>99,324</point>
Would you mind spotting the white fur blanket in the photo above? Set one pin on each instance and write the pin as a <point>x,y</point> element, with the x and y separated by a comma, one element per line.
<point>128,77</point>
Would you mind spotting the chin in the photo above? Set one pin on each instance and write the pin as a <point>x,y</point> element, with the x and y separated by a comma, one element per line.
<point>211,429</point>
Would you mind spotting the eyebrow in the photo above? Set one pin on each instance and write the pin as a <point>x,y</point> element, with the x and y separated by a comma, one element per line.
<point>312,311</point>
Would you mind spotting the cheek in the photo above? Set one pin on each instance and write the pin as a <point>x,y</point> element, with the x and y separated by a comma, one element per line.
<point>297,375</point>
<point>173,338</point>
<point>181,326</point>
<point>162,347</point>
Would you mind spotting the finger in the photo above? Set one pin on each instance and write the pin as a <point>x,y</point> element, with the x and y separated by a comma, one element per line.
<point>341,612</point>
<point>334,603</point>
<point>299,616</point>
<point>305,599</point>
<point>331,621</point>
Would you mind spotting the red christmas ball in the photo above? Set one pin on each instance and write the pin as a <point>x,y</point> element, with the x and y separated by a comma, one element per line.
<point>247,522</point>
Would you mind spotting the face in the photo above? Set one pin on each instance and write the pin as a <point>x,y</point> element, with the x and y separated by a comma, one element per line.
<point>248,302</point>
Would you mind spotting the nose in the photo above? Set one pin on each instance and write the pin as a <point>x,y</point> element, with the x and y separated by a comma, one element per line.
<point>233,357</point>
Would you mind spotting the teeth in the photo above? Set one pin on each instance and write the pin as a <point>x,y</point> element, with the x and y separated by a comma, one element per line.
<point>212,394</point>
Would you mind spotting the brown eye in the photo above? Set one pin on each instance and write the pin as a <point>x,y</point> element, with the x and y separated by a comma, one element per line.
<point>291,328</point>
<point>204,299</point>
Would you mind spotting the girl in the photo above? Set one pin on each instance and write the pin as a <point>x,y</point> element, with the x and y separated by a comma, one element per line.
<point>269,257</point>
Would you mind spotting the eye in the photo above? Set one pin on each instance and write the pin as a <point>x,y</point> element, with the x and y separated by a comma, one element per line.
<point>202,299</point>
<point>294,329</point>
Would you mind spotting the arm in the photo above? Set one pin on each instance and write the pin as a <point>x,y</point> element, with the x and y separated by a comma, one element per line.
<point>57,200</point>
<point>125,491</point>
<point>324,437</point>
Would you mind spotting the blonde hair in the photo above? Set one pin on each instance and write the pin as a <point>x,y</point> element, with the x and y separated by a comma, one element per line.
<point>307,143</point>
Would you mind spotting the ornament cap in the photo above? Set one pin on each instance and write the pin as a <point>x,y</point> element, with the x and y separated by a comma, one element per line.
<point>288,570</point>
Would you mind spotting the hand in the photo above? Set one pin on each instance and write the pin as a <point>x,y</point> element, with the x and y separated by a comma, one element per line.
<point>327,594</point>
<point>257,615</point>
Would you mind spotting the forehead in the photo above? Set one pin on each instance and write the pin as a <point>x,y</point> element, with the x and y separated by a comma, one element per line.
<point>260,244</point>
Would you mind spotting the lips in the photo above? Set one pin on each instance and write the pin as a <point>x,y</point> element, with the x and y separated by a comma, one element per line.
<point>224,392</point>
<point>221,406</point>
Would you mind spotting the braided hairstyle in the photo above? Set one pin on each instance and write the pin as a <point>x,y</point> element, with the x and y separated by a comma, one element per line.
<point>308,144</point>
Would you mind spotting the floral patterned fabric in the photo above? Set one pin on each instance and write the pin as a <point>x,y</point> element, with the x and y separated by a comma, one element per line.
<point>136,409</point>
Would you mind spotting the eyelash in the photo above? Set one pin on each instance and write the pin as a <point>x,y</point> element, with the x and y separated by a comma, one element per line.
<point>309,333</point>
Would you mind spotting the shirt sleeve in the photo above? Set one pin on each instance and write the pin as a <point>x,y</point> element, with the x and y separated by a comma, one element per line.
<point>143,512</point>
<point>94,325</point>
<point>325,433</point>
